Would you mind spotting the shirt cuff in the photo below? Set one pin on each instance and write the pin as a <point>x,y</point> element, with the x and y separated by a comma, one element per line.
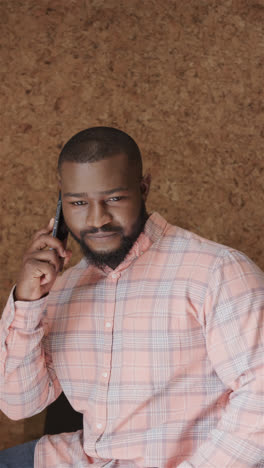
<point>26,315</point>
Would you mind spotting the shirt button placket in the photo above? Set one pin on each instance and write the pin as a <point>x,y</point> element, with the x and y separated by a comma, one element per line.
<point>111,285</point>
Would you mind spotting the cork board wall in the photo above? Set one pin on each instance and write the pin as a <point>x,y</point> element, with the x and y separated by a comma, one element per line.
<point>184,79</point>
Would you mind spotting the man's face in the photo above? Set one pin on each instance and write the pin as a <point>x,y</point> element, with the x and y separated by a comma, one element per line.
<point>104,206</point>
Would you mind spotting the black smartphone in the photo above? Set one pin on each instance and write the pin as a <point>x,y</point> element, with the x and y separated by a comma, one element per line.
<point>60,229</point>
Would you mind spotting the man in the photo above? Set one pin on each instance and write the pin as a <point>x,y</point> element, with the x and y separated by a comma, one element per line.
<point>155,336</point>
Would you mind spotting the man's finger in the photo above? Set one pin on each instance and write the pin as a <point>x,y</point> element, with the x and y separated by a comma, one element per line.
<point>46,241</point>
<point>50,225</point>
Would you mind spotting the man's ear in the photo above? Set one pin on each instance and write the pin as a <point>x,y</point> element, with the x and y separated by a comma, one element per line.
<point>145,185</point>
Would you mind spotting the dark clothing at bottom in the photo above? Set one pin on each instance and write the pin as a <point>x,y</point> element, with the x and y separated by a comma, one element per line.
<point>20,456</point>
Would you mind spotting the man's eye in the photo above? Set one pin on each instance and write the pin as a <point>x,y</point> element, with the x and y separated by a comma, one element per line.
<point>78,203</point>
<point>115,199</point>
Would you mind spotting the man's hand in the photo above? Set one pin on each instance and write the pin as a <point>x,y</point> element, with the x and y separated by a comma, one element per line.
<point>41,265</point>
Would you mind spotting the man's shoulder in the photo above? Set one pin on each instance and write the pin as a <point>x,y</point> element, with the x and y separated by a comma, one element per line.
<point>172,239</point>
<point>193,248</point>
<point>202,260</point>
<point>185,240</point>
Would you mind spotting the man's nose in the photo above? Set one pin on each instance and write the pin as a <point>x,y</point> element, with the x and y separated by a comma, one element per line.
<point>98,215</point>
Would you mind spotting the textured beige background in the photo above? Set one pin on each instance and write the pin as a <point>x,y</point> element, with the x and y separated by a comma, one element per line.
<point>185,79</point>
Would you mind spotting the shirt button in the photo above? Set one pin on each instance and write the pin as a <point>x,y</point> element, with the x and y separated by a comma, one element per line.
<point>108,324</point>
<point>104,374</point>
<point>99,426</point>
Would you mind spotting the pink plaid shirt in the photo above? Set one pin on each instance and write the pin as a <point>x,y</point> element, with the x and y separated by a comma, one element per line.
<point>162,356</point>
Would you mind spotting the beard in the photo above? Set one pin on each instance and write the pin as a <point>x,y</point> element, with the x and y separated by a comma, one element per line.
<point>115,257</point>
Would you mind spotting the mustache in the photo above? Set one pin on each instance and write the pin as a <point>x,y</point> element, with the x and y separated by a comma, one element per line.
<point>106,228</point>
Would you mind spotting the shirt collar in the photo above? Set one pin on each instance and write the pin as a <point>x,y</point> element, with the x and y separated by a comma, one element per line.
<point>154,227</point>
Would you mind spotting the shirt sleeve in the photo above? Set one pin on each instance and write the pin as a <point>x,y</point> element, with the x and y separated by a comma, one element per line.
<point>233,317</point>
<point>27,379</point>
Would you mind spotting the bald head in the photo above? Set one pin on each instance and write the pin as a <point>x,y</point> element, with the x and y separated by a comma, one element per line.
<point>98,143</point>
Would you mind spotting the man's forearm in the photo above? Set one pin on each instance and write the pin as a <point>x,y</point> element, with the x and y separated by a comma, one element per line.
<point>27,383</point>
